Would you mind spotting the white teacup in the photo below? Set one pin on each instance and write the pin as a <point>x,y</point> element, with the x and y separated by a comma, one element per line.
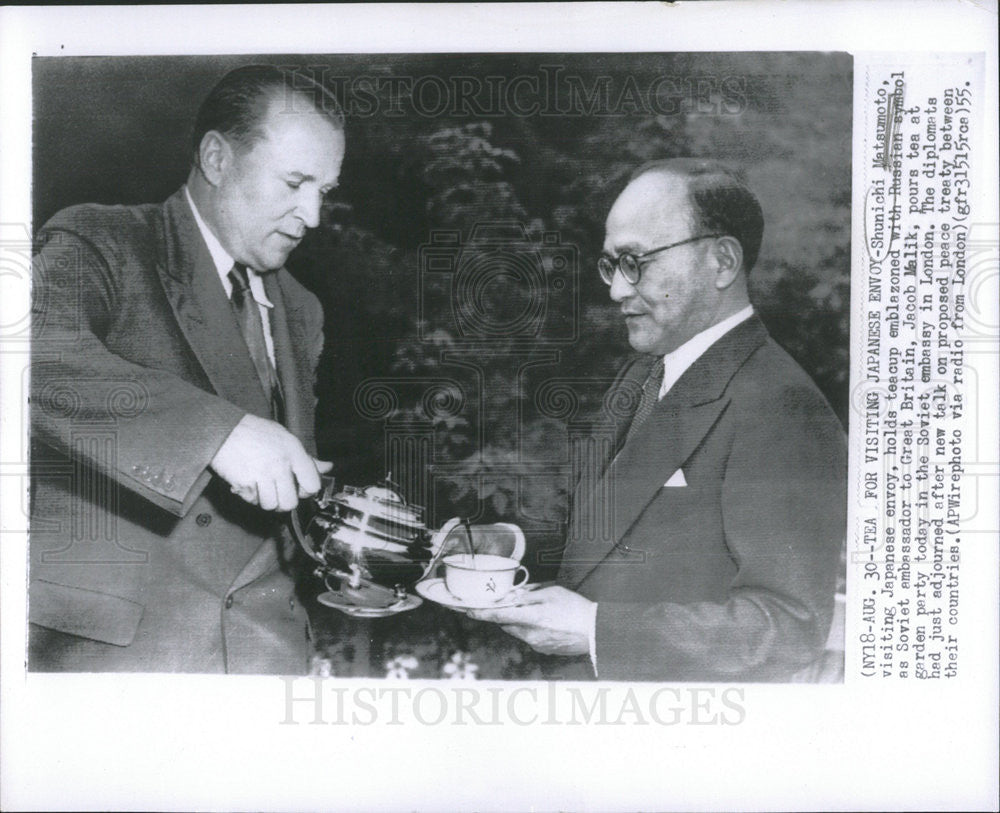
<point>483,578</point>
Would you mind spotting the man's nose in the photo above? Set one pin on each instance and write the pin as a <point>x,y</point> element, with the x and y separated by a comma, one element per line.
<point>308,208</point>
<point>621,289</point>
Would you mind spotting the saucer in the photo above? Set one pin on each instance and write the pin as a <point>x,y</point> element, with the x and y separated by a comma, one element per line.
<point>435,590</point>
<point>331,598</point>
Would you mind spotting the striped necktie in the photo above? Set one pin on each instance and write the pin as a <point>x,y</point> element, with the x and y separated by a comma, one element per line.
<point>650,395</point>
<point>252,327</point>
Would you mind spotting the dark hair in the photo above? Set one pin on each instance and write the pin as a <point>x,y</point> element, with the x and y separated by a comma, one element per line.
<point>720,199</point>
<point>238,103</point>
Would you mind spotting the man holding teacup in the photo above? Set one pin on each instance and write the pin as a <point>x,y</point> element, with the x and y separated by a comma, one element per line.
<point>727,489</point>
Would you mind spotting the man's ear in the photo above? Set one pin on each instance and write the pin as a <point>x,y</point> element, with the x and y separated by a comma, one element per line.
<point>214,154</point>
<point>729,261</point>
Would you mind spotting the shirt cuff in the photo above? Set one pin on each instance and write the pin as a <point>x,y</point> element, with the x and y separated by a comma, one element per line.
<point>593,636</point>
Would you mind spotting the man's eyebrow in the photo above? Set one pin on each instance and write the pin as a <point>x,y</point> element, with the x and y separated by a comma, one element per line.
<point>301,176</point>
<point>632,248</point>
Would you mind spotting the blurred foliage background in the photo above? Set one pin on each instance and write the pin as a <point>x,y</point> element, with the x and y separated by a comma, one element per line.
<point>423,172</point>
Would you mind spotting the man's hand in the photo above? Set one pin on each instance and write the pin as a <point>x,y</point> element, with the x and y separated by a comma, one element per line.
<point>552,620</point>
<point>266,465</point>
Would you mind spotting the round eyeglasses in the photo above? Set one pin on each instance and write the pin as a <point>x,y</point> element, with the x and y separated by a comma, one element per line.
<point>629,263</point>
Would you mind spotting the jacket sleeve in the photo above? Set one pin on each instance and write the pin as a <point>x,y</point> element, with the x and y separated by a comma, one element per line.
<point>157,432</point>
<point>783,503</point>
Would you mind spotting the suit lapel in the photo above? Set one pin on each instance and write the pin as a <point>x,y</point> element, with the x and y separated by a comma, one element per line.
<point>203,312</point>
<point>295,377</point>
<point>625,392</point>
<point>291,355</point>
<point>675,428</point>
<point>630,385</point>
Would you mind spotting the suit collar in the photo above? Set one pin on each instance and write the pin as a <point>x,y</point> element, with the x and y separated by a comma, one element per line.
<point>203,312</point>
<point>606,508</point>
<point>677,362</point>
<point>627,391</point>
<point>222,259</point>
<point>703,381</point>
<point>184,250</point>
<point>707,378</point>
<point>292,360</point>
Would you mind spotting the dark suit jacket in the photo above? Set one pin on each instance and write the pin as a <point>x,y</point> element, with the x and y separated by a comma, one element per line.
<point>731,577</point>
<point>140,557</point>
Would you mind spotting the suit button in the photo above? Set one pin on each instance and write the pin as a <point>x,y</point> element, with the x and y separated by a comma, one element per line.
<point>229,602</point>
<point>203,520</point>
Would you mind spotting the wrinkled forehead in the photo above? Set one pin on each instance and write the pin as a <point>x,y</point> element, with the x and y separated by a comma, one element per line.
<point>284,113</point>
<point>653,209</point>
<point>301,140</point>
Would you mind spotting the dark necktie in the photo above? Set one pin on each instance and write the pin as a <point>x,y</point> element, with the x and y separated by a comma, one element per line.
<point>650,395</point>
<point>252,328</point>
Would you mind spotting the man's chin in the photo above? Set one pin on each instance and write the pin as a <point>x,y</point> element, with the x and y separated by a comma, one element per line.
<point>640,342</point>
<point>271,263</point>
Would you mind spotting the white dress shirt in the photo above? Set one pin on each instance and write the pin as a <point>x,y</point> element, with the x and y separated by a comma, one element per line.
<point>224,264</point>
<point>675,364</point>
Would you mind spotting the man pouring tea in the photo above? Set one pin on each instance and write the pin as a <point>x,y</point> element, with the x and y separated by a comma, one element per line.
<point>174,361</point>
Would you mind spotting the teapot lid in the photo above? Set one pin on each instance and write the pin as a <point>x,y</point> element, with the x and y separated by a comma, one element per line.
<point>383,494</point>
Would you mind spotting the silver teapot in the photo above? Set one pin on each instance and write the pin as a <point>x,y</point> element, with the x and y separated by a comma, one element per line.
<point>371,546</point>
